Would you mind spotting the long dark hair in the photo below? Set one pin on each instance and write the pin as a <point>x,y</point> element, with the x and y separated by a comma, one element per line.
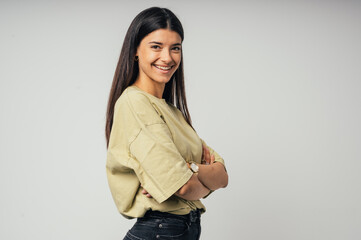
<point>127,70</point>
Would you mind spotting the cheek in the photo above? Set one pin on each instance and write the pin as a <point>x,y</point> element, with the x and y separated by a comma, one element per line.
<point>146,62</point>
<point>176,58</point>
<point>178,61</point>
<point>149,57</point>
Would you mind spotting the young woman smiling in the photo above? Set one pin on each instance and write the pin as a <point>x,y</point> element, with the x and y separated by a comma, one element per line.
<point>158,168</point>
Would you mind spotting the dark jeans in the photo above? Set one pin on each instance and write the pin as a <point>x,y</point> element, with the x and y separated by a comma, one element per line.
<point>160,225</point>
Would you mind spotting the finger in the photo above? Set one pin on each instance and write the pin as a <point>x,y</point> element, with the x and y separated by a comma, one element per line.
<point>149,196</point>
<point>206,159</point>
<point>203,159</point>
<point>203,152</point>
<point>207,156</point>
<point>213,158</point>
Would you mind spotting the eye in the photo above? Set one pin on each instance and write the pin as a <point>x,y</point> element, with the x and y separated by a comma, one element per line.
<point>155,46</point>
<point>177,48</point>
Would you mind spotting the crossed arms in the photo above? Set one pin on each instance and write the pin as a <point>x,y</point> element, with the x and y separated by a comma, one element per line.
<point>211,176</point>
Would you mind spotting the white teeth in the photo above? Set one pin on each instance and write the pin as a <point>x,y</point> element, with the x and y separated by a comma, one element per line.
<point>163,68</point>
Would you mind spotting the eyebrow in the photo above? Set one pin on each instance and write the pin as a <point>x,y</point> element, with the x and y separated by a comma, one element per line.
<point>154,42</point>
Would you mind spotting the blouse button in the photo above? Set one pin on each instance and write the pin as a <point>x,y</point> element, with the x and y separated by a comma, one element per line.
<point>160,225</point>
<point>157,236</point>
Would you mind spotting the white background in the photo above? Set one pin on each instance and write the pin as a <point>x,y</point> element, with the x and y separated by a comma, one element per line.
<point>272,86</point>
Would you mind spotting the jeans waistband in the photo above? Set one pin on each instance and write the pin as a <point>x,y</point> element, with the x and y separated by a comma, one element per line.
<point>192,216</point>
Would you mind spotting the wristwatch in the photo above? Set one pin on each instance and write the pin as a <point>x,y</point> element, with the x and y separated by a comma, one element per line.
<point>193,167</point>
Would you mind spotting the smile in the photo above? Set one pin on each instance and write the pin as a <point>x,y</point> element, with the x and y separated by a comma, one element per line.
<point>162,68</point>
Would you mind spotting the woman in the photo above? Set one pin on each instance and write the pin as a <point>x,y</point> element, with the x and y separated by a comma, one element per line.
<point>158,168</point>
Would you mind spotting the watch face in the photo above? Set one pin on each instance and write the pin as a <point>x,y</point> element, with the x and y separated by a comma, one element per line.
<point>194,167</point>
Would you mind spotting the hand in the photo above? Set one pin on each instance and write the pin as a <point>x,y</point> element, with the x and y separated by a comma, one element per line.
<point>207,158</point>
<point>145,192</point>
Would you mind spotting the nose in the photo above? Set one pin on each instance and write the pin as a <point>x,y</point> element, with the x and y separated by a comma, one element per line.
<point>165,56</point>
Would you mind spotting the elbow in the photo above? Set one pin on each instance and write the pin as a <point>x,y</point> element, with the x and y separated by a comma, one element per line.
<point>225,178</point>
<point>222,175</point>
<point>225,181</point>
<point>221,183</point>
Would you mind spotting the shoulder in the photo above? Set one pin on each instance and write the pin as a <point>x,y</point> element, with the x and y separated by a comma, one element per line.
<point>132,100</point>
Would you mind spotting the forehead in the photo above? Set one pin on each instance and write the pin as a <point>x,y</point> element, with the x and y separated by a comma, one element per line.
<point>164,36</point>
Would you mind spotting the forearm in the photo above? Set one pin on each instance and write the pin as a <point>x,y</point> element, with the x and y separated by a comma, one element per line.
<point>193,189</point>
<point>213,176</point>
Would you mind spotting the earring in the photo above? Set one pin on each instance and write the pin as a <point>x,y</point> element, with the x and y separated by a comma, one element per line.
<point>136,58</point>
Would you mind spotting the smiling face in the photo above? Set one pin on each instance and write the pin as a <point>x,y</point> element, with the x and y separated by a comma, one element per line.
<point>159,56</point>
